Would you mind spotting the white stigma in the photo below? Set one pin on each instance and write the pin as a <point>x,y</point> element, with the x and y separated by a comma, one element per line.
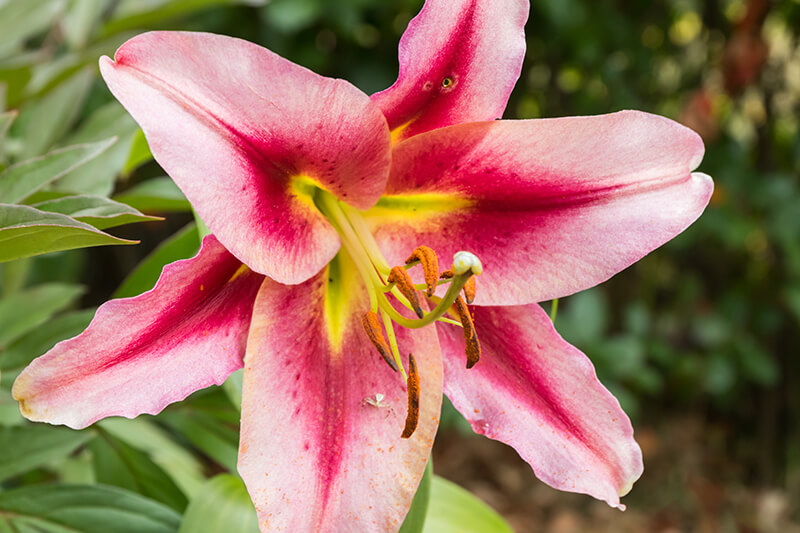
<point>464,261</point>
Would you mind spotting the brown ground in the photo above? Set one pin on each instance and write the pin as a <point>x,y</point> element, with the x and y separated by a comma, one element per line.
<point>681,489</point>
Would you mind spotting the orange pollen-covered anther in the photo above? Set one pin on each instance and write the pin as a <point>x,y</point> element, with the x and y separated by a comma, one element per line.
<point>469,290</point>
<point>412,383</point>
<point>372,326</point>
<point>402,281</point>
<point>430,266</point>
<point>472,346</point>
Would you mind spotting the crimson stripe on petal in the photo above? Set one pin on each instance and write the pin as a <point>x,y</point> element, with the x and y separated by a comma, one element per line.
<point>315,454</point>
<point>477,45</point>
<point>538,394</point>
<point>140,354</point>
<point>550,206</point>
<point>247,136</point>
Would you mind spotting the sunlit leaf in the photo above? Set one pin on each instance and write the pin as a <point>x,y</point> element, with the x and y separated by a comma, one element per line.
<point>31,446</point>
<point>157,195</point>
<point>97,211</point>
<point>83,509</point>
<point>19,181</point>
<point>454,510</point>
<point>232,387</point>
<point>139,154</point>
<point>181,245</point>
<point>415,519</point>
<point>26,231</point>
<point>222,504</point>
<point>117,464</point>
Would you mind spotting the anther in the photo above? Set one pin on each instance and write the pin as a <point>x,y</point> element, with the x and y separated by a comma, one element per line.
<point>472,346</point>
<point>430,266</point>
<point>469,290</point>
<point>373,328</point>
<point>399,276</point>
<point>412,383</point>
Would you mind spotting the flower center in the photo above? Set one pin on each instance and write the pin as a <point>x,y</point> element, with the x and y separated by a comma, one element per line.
<point>382,280</point>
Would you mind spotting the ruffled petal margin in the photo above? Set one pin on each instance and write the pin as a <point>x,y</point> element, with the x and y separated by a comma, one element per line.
<point>540,395</point>
<point>459,61</point>
<point>140,354</point>
<point>248,136</point>
<point>315,454</point>
<point>551,207</point>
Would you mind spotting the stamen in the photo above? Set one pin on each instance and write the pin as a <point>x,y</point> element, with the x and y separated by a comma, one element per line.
<point>373,328</point>
<point>469,286</point>
<point>412,383</point>
<point>472,346</point>
<point>400,277</point>
<point>430,266</point>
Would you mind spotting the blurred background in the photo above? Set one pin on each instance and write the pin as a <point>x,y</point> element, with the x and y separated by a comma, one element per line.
<point>700,341</point>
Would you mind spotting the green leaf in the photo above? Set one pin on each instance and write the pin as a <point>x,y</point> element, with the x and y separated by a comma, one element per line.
<point>39,340</point>
<point>139,154</point>
<point>455,510</point>
<point>144,435</point>
<point>13,276</point>
<point>50,117</point>
<point>26,310</point>
<point>83,509</point>
<point>31,446</point>
<point>5,121</point>
<point>181,245</point>
<point>222,504</point>
<point>99,175</point>
<point>157,195</point>
<point>97,211</point>
<point>210,424</point>
<point>117,464</point>
<point>20,20</point>
<point>9,411</point>
<point>415,519</point>
<point>26,231</point>
<point>19,181</point>
<point>137,14</point>
<point>233,388</point>
<point>80,19</point>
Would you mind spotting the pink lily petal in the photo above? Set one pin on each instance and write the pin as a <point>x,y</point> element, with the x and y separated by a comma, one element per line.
<point>551,207</point>
<point>538,394</point>
<point>245,134</point>
<point>314,453</point>
<point>140,354</point>
<point>478,45</point>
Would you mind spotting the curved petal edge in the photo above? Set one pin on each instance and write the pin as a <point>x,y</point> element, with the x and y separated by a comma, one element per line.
<point>540,395</point>
<point>140,354</point>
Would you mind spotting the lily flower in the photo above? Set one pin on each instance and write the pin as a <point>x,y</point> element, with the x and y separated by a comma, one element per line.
<point>330,211</point>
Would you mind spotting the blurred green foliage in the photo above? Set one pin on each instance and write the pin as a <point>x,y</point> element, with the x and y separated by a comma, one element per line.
<point>708,324</point>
